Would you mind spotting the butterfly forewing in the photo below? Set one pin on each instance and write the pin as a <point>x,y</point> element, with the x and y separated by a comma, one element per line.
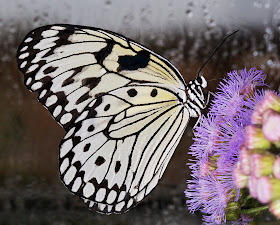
<point>121,104</point>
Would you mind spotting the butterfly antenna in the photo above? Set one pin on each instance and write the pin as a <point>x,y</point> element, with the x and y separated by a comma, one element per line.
<point>218,46</point>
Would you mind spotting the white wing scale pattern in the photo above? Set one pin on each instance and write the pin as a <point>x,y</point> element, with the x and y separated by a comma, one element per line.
<point>122,105</point>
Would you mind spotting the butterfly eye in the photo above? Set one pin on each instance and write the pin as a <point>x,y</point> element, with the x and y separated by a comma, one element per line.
<point>199,80</point>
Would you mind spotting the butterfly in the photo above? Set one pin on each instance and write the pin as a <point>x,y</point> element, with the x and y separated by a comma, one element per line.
<point>124,109</point>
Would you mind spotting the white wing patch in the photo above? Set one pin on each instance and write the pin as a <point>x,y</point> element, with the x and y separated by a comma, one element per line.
<point>121,105</point>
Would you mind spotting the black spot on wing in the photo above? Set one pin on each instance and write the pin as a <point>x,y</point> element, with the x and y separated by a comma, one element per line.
<point>104,52</point>
<point>76,140</point>
<point>117,166</point>
<point>48,53</point>
<point>92,113</point>
<point>129,62</point>
<point>132,92</point>
<point>99,161</point>
<point>91,109</point>
<point>154,93</point>
<point>90,128</point>
<point>70,79</point>
<point>78,165</point>
<point>91,82</point>
<point>107,107</point>
<point>83,98</point>
<point>50,69</point>
<point>87,146</point>
<point>46,81</point>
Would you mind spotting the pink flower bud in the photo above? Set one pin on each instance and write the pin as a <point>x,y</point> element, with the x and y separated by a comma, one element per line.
<point>276,168</point>
<point>205,168</point>
<point>252,185</point>
<point>244,158</point>
<point>240,179</point>
<point>254,138</point>
<point>261,164</point>
<point>257,113</point>
<point>274,208</point>
<point>271,125</point>
<point>268,189</point>
<point>270,101</point>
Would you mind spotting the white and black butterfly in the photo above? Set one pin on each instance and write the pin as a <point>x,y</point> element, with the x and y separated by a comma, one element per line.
<point>124,109</point>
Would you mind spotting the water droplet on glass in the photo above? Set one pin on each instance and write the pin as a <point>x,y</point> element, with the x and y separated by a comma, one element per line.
<point>12,29</point>
<point>5,58</point>
<point>108,2</point>
<point>276,19</point>
<point>267,5</point>
<point>45,14</point>
<point>189,13</point>
<point>268,38</point>
<point>205,10</point>
<point>128,19</point>
<point>160,43</point>
<point>171,16</point>
<point>37,21</point>
<point>257,4</point>
<point>210,21</point>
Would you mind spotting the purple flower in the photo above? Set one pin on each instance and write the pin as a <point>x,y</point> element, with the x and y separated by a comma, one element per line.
<point>218,139</point>
<point>206,138</point>
<point>244,220</point>
<point>234,91</point>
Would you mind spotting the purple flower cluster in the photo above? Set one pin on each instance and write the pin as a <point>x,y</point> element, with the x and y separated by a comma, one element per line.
<point>218,139</point>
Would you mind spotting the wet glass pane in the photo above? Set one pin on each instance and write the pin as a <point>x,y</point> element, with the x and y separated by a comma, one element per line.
<point>185,32</point>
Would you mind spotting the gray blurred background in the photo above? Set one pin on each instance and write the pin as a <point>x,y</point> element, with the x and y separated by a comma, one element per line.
<point>183,31</point>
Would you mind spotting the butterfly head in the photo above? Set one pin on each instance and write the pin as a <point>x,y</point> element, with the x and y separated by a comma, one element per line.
<point>201,81</point>
<point>196,100</point>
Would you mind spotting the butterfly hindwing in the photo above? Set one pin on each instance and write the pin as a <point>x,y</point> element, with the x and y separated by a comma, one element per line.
<point>121,105</point>
<point>113,160</point>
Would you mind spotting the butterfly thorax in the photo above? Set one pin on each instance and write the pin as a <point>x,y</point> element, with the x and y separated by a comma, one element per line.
<point>195,96</point>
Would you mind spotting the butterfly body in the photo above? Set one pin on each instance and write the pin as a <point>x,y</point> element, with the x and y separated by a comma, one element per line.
<point>124,109</point>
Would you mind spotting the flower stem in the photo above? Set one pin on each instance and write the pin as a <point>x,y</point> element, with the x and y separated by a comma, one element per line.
<point>247,198</point>
<point>254,210</point>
